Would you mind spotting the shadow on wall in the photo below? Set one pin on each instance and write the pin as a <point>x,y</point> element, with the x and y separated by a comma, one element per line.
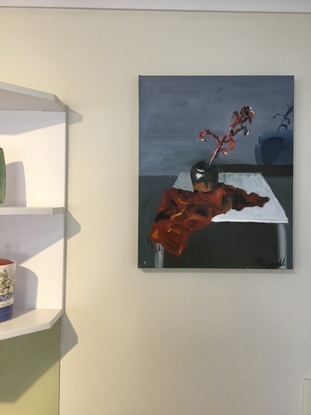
<point>69,337</point>
<point>15,179</point>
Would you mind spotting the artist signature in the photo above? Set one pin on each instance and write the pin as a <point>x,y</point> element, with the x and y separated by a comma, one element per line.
<point>260,262</point>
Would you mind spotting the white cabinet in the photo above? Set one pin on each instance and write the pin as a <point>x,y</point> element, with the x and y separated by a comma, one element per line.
<point>32,218</point>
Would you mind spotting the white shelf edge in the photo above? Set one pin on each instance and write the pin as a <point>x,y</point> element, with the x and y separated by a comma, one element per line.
<point>17,98</point>
<point>25,210</point>
<point>26,321</point>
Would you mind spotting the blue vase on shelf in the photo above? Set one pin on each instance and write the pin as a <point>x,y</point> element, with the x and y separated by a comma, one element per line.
<point>7,288</point>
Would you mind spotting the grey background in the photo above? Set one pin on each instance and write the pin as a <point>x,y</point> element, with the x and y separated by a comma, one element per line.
<point>174,109</point>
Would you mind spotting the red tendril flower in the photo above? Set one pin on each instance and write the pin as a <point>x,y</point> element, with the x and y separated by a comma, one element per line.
<point>237,122</point>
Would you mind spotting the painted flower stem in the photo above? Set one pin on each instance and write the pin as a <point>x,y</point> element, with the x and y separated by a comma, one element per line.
<point>236,125</point>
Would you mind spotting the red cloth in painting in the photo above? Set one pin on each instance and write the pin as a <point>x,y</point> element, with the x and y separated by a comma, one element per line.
<point>183,212</point>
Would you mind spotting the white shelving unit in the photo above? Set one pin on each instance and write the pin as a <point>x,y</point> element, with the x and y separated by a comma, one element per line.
<point>32,218</point>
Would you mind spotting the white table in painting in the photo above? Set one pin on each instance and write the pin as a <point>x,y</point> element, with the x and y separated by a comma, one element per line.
<point>272,212</point>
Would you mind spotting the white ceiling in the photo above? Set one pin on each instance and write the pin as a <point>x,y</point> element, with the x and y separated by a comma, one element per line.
<point>279,6</point>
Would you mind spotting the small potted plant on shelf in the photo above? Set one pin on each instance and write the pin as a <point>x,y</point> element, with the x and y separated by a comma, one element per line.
<point>7,286</point>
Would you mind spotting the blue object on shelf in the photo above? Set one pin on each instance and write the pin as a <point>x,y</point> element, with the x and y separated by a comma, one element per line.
<point>6,313</point>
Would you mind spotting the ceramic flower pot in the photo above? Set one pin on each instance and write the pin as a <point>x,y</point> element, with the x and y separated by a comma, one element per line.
<point>204,177</point>
<point>7,286</point>
<point>2,176</point>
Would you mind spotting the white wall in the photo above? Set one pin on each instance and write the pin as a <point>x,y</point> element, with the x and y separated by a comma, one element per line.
<point>170,343</point>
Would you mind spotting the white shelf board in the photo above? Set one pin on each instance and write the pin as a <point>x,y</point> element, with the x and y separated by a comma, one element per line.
<point>28,321</point>
<point>25,210</point>
<point>16,98</point>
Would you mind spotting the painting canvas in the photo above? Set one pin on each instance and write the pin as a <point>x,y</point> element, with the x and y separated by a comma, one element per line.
<point>216,172</point>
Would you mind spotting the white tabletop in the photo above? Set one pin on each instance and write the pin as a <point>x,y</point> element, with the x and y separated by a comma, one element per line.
<point>271,212</point>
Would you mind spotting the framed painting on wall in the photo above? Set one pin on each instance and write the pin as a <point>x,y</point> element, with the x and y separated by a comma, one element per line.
<point>216,172</point>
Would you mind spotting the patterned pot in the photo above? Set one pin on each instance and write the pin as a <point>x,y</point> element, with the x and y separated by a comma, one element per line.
<point>7,286</point>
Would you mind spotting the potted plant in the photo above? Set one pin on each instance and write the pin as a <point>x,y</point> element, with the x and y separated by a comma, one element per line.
<point>7,286</point>
<point>204,174</point>
<point>276,147</point>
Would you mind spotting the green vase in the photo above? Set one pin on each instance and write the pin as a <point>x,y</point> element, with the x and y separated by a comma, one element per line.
<point>2,176</point>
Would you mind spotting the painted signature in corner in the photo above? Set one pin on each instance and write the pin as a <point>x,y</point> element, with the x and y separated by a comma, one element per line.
<point>260,262</point>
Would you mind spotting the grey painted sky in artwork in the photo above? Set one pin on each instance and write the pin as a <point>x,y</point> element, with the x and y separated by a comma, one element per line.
<point>174,109</point>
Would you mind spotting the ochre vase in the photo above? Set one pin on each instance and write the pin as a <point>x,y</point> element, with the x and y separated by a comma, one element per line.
<point>204,177</point>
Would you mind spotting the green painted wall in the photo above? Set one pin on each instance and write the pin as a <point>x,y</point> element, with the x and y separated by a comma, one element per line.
<point>29,380</point>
